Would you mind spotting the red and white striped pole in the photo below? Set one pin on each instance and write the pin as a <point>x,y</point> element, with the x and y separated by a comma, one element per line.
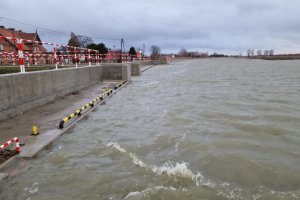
<point>35,60</point>
<point>75,56</point>
<point>62,61</point>
<point>98,62</point>
<point>12,140</point>
<point>21,58</point>
<point>55,59</point>
<point>89,51</point>
<point>96,57</point>
<point>13,60</point>
<point>27,58</point>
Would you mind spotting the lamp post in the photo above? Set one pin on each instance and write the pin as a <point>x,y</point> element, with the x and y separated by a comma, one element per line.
<point>114,53</point>
<point>140,55</point>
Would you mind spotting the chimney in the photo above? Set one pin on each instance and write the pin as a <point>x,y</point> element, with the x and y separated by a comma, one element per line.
<point>20,30</point>
<point>1,26</point>
<point>11,28</point>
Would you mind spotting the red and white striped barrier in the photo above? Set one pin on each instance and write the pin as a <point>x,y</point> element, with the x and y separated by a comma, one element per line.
<point>77,50</point>
<point>12,140</point>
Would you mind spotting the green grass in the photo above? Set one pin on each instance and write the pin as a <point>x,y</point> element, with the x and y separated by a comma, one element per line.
<point>9,70</point>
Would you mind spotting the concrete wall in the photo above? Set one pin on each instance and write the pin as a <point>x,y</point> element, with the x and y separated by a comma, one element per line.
<point>152,62</point>
<point>23,92</point>
<point>158,62</point>
<point>117,71</point>
<point>143,63</point>
<point>126,72</point>
<point>135,69</point>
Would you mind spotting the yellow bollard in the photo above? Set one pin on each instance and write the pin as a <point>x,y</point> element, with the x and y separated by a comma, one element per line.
<point>106,88</point>
<point>34,131</point>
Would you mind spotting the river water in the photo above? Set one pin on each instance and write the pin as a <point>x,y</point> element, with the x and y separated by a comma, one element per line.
<point>198,129</point>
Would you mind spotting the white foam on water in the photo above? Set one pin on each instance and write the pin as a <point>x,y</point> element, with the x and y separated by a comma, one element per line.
<point>178,169</point>
<point>230,193</point>
<point>33,189</point>
<point>115,145</point>
<point>182,170</point>
<point>145,192</point>
<point>179,140</point>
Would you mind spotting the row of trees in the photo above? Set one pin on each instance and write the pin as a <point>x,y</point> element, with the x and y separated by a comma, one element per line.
<point>250,52</point>
<point>87,42</point>
<point>184,53</point>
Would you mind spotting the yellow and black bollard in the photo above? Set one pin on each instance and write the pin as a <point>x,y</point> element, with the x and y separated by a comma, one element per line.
<point>34,131</point>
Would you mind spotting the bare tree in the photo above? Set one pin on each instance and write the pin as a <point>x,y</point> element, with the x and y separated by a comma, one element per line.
<point>258,52</point>
<point>73,41</point>
<point>84,40</point>
<point>183,52</point>
<point>248,52</point>
<point>203,55</point>
<point>252,52</point>
<point>266,52</point>
<point>271,52</point>
<point>155,51</point>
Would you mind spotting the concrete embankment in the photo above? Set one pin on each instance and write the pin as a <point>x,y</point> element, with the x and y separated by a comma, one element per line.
<point>21,92</point>
<point>44,98</point>
<point>24,91</point>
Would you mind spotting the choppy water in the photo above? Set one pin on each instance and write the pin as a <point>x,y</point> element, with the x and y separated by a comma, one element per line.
<point>199,129</point>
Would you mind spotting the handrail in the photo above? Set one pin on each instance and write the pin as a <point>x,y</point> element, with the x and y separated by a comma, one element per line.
<point>120,84</point>
<point>78,112</point>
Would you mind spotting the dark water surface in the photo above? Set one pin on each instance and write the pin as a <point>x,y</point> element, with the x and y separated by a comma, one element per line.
<point>199,129</point>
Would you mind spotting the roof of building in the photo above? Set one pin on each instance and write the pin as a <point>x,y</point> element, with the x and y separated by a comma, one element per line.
<point>21,35</point>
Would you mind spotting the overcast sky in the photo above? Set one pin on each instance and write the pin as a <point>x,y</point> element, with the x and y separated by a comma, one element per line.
<point>222,26</point>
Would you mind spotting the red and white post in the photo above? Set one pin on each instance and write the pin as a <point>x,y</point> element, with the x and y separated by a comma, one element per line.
<point>89,52</point>
<point>35,60</point>
<point>21,58</point>
<point>75,55</point>
<point>97,58</point>
<point>13,58</point>
<point>55,59</point>
<point>12,140</point>
<point>62,60</point>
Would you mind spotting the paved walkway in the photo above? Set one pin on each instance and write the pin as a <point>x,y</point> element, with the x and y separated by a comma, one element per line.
<point>47,117</point>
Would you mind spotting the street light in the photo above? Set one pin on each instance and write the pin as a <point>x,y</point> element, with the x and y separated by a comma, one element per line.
<point>114,53</point>
<point>140,55</point>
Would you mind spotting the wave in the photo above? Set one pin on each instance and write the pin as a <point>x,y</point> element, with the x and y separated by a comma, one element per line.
<point>181,170</point>
<point>145,192</point>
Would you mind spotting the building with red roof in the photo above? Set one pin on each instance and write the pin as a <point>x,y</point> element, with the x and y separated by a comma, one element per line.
<point>7,45</point>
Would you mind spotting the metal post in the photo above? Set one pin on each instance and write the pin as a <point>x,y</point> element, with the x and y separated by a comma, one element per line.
<point>114,53</point>
<point>75,56</point>
<point>89,52</point>
<point>55,59</point>
<point>21,59</point>
<point>27,60</point>
<point>96,57</point>
<point>62,60</point>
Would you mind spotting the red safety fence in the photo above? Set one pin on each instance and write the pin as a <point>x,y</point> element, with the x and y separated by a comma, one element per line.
<point>77,50</point>
<point>12,140</point>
